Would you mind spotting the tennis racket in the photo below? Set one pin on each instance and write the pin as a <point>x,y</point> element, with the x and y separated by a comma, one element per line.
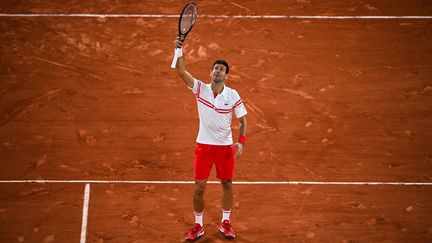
<point>187,20</point>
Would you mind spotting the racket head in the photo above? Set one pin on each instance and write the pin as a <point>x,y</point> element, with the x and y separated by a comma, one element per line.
<point>187,19</point>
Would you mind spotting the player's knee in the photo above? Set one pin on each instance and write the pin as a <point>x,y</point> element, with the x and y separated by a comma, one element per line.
<point>199,189</point>
<point>226,184</point>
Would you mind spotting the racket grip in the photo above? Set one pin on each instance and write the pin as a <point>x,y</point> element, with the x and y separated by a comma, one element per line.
<point>178,52</point>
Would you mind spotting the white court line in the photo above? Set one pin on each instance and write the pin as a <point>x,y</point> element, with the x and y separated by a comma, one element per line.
<point>85,213</point>
<point>370,183</point>
<point>208,16</point>
<point>312,17</point>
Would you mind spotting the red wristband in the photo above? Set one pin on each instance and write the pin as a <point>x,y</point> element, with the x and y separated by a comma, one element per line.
<point>242,139</point>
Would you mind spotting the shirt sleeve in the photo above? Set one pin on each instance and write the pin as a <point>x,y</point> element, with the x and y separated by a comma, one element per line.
<point>239,107</point>
<point>197,87</point>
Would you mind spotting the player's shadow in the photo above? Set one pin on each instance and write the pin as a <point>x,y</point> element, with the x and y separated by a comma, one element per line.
<point>217,235</point>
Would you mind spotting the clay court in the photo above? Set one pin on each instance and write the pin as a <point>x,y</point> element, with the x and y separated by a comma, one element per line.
<point>97,132</point>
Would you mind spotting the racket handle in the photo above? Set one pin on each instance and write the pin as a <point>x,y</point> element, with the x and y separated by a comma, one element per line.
<point>177,53</point>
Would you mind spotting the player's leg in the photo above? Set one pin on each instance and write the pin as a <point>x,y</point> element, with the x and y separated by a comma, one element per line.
<point>198,197</point>
<point>198,201</point>
<point>225,172</point>
<point>227,195</point>
<point>202,167</point>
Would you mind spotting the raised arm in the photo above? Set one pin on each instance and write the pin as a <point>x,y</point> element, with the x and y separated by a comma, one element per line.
<point>181,67</point>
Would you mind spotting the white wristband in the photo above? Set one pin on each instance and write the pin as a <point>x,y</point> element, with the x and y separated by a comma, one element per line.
<point>178,52</point>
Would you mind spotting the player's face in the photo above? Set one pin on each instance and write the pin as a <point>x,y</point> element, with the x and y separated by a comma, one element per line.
<point>218,73</point>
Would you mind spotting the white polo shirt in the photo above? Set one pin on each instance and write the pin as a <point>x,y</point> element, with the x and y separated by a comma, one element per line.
<point>215,114</point>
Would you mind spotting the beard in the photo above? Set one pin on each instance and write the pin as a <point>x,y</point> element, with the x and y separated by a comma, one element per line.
<point>217,79</point>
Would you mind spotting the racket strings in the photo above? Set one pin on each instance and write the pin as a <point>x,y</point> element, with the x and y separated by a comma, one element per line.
<point>187,20</point>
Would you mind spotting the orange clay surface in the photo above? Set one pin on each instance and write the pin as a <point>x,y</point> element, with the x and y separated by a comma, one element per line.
<point>328,100</point>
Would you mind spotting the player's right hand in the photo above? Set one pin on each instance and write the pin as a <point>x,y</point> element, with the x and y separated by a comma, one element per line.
<point>178,43</point>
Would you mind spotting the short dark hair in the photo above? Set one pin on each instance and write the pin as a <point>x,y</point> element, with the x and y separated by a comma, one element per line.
<point>223,62</point>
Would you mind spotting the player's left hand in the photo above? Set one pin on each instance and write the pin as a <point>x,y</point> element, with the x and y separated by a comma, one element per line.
<point>238,149</point>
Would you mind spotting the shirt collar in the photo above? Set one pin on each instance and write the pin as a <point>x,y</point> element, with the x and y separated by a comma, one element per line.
<point>224,90</point>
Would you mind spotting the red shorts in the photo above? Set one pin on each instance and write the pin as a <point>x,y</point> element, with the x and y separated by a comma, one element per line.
<point>220,155</point>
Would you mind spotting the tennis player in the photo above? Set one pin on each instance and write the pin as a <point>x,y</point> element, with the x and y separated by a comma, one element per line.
<point>216,104</point>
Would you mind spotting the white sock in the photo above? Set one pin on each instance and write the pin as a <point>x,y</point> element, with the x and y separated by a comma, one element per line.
<point>199,218</point>
<point>226,214</point>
